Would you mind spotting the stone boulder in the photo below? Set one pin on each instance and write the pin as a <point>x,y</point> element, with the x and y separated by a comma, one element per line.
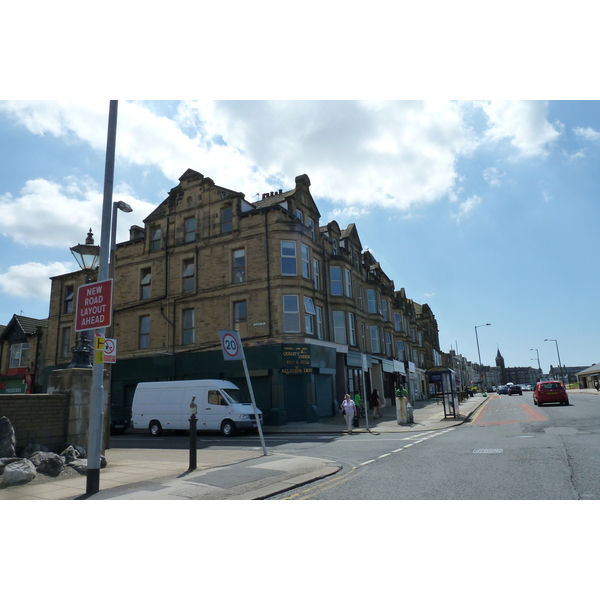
<point>8,439</point>
<point>32,448</point>
<point>48,463</point>
<point>18,472</point>
<point>79,464</point>
<point>70,454</point>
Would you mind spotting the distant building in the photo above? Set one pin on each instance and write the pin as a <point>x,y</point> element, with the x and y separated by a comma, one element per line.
<point>570,374</point>
<point>313,308</point>
<point>22,349</point>
<point>516,375</point>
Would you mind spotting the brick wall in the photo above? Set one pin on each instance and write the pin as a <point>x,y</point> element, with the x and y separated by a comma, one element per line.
<point>37,418</point>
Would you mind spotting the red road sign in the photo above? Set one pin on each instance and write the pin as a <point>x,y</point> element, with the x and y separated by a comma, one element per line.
<point>94,305</point>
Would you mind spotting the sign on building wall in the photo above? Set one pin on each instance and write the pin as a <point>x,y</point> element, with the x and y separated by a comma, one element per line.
<point>296,359</point>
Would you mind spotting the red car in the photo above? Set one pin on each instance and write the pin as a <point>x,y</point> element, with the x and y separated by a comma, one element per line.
<point>547,392</point>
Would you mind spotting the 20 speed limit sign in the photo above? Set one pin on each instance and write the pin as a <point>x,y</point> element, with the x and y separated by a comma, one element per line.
<point>231,345</point>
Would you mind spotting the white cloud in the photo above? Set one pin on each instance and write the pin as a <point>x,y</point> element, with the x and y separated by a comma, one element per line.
<point>524,123</point>
<point>64,212</point>
<point>32,280</point>
<point>392,154</point>
<point>466,207</point>
<point>587,133</point>
<point>492,176</point>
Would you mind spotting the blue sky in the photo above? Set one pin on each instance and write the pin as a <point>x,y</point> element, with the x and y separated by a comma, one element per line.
<point>486,210</point>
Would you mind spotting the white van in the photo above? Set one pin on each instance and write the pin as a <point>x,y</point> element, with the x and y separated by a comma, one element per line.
<point>160,405</point>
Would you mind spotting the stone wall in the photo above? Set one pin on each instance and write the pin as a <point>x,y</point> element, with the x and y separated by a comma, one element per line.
<point>38,418</point>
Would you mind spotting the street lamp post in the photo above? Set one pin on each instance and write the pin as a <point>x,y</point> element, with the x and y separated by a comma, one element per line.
<point>562,375</point>
<point>479,353</point>
<point>538,358</point>
<point>97,391</point>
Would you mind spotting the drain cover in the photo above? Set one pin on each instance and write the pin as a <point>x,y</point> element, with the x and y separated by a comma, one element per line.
<point>488,451</point>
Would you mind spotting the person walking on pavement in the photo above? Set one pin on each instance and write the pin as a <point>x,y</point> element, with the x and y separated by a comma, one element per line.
<point>358,404</point>
<point>348,408</point>
<point>597,385</point>
<point>375,403</point>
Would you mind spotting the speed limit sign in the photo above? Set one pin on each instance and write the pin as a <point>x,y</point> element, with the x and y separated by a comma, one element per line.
<point>231,345</point>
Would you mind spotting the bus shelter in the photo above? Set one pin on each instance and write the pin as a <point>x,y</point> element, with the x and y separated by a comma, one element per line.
<point>442,385</point>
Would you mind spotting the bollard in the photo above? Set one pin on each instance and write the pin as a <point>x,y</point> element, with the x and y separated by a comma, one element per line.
<point>193,421</point>
<point>401,416</point>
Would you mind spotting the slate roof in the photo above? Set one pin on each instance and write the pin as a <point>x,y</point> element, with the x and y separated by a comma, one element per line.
<point>27,325</point>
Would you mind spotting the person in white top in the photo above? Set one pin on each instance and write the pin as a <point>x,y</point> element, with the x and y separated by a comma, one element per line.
<point>348,407</point>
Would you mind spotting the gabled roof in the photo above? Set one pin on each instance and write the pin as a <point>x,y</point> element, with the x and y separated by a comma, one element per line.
<point>20,326</point>
<point>352,233</point>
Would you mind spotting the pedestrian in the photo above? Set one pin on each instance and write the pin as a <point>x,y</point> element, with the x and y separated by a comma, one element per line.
<point>349,409</point>
<point>375,403</point>
<point>597,385</point>
<point>358,404</point>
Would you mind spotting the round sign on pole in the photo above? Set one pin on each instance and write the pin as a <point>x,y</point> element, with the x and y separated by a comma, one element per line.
<point>231,345</point>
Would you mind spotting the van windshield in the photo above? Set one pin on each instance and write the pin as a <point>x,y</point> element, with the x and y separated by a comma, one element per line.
<point>234,396</point>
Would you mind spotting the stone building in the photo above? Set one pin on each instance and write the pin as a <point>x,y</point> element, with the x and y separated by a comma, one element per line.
<point>317,315</point>
<point>22,349</point>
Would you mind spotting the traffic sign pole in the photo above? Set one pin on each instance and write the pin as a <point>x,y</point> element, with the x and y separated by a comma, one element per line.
<point>231,344</point>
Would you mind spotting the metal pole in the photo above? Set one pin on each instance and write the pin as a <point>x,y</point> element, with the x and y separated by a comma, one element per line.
<point>262,439</point>
<point>479,354</point>
<point>97,391</point>
<point>193,439</point>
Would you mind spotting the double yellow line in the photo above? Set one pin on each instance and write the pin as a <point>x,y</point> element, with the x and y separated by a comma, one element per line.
<point>324,486</point>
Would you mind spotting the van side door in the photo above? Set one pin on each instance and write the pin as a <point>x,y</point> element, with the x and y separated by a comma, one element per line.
<point>217,409</point>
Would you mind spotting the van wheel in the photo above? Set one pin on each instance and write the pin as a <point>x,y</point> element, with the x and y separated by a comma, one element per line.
<point>227,428</point>
<point>155,428</point>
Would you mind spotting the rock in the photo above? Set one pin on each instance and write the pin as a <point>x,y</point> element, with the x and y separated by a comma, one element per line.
<point>80,465</point>
<point>8,439</point>
<point>82,451</point>
<point>70,454</point>
<point>31,448</point>
<point>48,463</point>
<point>19,471</point>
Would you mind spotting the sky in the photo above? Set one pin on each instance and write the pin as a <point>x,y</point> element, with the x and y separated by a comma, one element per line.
<point>487,211</point>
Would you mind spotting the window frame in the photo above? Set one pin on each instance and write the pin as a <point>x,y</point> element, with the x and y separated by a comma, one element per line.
<point>226,219</point>
<point>189,235</point>
<point>340,334</point>
<point>295,314</point>
<point>288,258</point>
<point>145,288</point>
<point>309,315</point>
<point>143,335</point>
<point>351,329</point>
<point>188,280</point>
<point>186,328</point>
<point>305,260</point>
<point>337,285</point>
<point>238,271</point>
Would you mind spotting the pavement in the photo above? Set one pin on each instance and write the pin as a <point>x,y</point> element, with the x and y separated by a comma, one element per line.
<point>227,473</point>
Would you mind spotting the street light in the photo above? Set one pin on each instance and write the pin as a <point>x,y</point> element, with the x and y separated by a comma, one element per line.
<point>538,358</point>
<point>87,255</point>
<point>119,205</point>
<point>559,363</point>
<point>479,353</point>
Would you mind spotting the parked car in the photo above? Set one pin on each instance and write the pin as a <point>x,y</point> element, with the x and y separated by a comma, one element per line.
<point>515,389</point>
<point>503,389</point>
<point>547,392</point>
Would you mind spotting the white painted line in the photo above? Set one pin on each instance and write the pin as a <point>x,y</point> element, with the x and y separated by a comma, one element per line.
<point>398,450</point>
<point>366,463</point>
<point>384,455</point>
